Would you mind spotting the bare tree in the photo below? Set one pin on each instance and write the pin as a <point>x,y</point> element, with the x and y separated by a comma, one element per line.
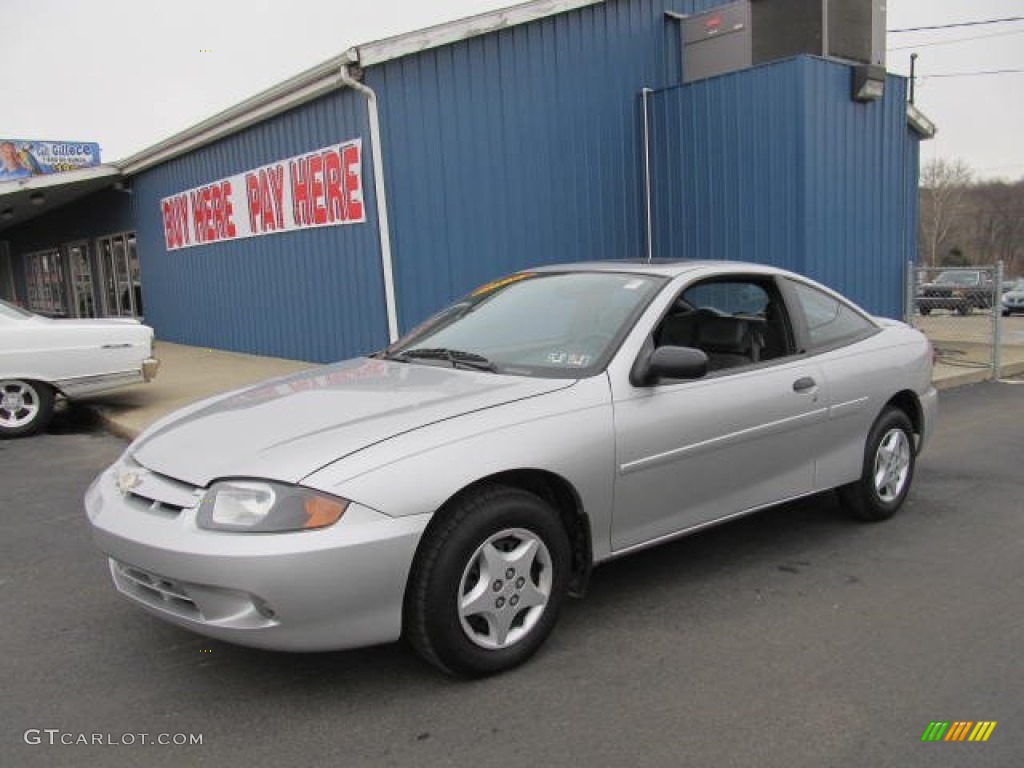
<point>944,184</point>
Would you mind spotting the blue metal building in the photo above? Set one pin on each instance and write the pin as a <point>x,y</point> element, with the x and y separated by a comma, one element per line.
<point>518,138</point>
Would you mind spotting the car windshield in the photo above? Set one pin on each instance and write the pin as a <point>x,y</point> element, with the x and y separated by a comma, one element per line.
<point>10,312</point>
<point>958,278</point>
<point>564,325</point>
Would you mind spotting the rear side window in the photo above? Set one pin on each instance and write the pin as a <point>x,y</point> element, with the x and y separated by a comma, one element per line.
<point>829,320</point>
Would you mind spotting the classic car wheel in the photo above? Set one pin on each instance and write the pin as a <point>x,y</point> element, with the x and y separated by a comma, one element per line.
<point>888,469</point>
<point>488,582</point>
<point>25,407</point>
<point>925,310</point>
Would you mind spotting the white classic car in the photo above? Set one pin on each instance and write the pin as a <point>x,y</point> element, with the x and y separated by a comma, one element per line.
<point>42,358</point>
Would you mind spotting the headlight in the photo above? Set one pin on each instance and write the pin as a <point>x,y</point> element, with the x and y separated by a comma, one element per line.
<point>243,505</point>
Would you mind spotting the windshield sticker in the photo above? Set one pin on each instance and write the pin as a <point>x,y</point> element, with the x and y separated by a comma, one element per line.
<point>633,285</point>
<point>495,285</point>
<point>571,359</point>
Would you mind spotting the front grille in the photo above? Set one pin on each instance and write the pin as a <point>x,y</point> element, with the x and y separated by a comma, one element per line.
<point>160,592</point>
<point>152,492</point>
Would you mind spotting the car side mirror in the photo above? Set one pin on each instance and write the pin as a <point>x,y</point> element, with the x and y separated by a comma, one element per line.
<point>668,363</point>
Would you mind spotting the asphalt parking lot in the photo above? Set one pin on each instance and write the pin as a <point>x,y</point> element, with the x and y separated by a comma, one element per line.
<point>790,638</point>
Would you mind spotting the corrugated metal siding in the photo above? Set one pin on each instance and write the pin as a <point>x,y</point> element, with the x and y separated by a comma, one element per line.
<point>778,165</point>
<point>521,147</point>
<point>313,295</point>
<point>726,159</point>
<point>856,167</point>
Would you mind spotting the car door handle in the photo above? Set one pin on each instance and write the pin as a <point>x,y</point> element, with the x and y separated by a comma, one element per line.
<point>804,384</point>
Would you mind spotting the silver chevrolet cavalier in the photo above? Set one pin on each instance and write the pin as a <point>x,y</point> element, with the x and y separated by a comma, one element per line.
<point>455,487</point>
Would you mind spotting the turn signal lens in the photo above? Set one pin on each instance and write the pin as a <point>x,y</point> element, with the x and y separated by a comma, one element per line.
<point>323,511</point>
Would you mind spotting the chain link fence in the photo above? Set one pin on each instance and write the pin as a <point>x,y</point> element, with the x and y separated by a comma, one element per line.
<point>961,310</point>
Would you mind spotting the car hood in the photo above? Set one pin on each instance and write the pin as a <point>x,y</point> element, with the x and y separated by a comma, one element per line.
<point>285,429</point>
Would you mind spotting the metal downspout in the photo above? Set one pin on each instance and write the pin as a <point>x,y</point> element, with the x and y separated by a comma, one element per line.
<point>647,174</point>
<point>382,199</point>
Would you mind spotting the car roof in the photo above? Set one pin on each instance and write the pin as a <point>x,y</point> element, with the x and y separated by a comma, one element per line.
<point>661,267</point>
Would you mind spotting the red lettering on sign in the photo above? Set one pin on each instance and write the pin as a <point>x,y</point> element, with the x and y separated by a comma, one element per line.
<point>316,189</point>
<point>229,210</point>
<point>353,183</point>
<point>299,173</point>
<point>252,194</point>
<point>335,192</point>
<point>276,178</point>
<point>210,234</point>
<point>217,219</point>
<point>170,241</point>
<point>175,214</point>
<point>198,214</point>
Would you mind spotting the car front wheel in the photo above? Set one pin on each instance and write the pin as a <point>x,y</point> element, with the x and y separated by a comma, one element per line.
<point>488,582</point>
<point>25,407</point>
<point>887,471</point>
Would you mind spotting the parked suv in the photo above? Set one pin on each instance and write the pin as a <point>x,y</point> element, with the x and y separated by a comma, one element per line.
<point>1013,297</point>
<point>960,290</point>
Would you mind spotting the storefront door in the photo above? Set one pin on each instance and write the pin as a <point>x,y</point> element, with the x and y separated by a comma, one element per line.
<point>83,297</point>
<point>122,288</point>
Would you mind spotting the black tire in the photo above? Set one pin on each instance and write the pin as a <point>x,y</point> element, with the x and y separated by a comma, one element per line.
<point>925,310</point>
<point>873,499</point>
<point>451,557</point>
<point>25,407</point>
<point>963,309</point>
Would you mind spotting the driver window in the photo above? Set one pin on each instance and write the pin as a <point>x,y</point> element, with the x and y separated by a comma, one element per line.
<point>736,322</point>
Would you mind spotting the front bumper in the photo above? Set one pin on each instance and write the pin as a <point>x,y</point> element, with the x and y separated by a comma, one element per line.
<point>328,589</point>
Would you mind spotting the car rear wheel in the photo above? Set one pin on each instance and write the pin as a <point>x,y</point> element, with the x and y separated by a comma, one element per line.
<point>25,407</point>
<point>488,582</point>
<point>887,472</point>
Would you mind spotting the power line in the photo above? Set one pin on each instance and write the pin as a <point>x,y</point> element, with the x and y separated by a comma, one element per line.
<point>974,74</point>
<point>959,24</point>
<point>957,40</point>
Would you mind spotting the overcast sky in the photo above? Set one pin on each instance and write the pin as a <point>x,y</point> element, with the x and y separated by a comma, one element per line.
<point>128,73</point>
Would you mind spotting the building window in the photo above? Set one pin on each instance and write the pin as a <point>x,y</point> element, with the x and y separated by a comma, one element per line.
<point>45,281</point>
<point>121,279</point>
<point>76,281</point>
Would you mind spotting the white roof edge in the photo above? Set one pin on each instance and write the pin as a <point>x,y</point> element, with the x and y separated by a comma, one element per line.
<point>61,179</point>
<point>464,29</point>
<point>326,77</point>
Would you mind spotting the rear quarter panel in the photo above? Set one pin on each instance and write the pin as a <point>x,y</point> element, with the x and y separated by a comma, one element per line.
<point>862,378</point>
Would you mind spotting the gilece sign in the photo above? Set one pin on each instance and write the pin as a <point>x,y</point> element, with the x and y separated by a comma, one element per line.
<point>318,189</point>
